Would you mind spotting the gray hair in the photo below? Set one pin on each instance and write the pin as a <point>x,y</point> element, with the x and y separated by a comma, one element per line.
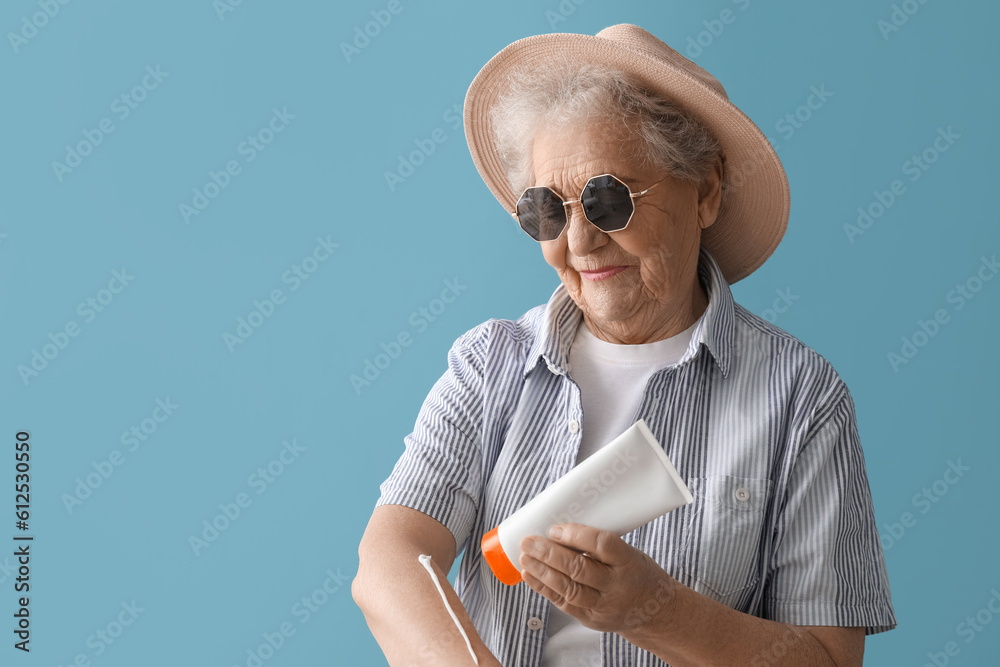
<point>558,94</point>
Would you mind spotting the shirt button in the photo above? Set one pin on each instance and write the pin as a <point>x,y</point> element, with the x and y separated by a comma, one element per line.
<point>742,495</point>
<point>534,623</point>
<point>574,426</point>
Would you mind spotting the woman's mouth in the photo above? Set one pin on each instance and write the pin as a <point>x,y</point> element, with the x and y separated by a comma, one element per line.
<point>602,273</point>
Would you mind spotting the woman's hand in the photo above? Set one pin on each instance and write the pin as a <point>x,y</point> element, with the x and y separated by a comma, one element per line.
<point>596,577</point>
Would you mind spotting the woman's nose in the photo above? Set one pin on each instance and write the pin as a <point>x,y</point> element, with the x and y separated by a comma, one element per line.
<point>582,236</point>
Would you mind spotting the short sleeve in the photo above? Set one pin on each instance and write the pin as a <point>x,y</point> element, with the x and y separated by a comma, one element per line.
<point>440,471</point>
<point>827,567</point>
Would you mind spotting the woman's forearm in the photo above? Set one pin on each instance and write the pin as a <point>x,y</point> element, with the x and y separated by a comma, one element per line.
<point>611,586</point>
<point>409,621</point>
<point>401,603</point>
<point>688,629</point>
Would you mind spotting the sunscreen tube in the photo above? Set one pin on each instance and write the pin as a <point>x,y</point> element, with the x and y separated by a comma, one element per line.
<point>628,482</point>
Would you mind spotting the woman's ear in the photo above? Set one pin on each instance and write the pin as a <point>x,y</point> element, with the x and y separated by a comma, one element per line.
<point>710,195</point>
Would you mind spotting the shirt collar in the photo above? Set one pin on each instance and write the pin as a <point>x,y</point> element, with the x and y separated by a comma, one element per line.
<point>557,327</point>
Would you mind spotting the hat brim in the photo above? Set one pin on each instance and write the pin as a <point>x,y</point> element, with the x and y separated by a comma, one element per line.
<point>755,208</point>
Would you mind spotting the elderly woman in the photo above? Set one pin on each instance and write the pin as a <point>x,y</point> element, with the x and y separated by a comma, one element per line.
<point>649,193</point>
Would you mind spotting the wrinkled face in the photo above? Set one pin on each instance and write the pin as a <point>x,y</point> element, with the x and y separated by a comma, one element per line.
<point>638,284</point>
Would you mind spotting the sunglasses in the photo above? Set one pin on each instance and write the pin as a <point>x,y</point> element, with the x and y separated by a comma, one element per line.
<point>607,204</point>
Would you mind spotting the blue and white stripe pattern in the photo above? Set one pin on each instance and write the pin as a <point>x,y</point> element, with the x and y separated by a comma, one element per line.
<point>759,425</point>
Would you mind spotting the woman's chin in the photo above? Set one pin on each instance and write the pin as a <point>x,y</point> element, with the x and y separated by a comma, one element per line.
<point>605,310</point>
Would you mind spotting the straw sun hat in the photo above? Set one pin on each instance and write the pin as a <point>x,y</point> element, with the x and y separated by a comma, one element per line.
<point>754,211</point>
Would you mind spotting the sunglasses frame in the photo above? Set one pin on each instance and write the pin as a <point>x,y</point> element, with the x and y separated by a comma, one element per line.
<point>632,196</point>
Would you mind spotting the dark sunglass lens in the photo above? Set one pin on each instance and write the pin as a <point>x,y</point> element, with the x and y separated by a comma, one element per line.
<point>541,213</point>
<point>607,203</point>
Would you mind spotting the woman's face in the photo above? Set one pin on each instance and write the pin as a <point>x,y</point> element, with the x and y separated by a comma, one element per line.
<point>639,284</point>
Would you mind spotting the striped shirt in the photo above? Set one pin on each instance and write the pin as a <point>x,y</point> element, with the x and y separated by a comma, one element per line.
<point>760,426</point>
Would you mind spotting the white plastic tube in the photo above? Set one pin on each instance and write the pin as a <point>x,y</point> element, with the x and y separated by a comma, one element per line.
<point>628,482</point>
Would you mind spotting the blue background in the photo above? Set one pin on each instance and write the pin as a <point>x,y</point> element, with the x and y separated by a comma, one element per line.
<point>855,296</point>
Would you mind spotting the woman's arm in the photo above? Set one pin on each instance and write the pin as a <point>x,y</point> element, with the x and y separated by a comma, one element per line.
<point>401,604</point>
<point>617,588</point>
<point>698,630</point>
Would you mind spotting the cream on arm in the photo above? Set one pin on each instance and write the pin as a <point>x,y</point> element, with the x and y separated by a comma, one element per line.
<point>425,560</point>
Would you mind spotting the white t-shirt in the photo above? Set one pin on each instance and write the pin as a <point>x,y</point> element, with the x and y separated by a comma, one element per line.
<point>612,379</point>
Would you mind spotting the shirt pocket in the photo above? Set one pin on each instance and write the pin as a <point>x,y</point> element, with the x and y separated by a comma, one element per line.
<point>721,550</point>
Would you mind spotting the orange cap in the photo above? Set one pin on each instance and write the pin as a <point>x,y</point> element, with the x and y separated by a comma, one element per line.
<point>498,560</point>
